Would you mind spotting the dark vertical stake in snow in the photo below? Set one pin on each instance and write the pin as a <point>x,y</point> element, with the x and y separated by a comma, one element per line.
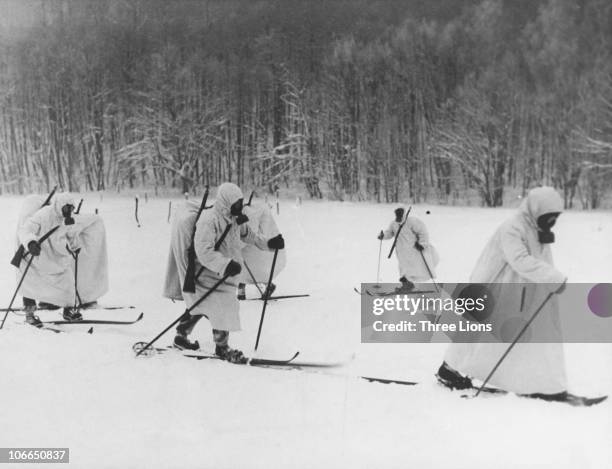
<point>136,211</point>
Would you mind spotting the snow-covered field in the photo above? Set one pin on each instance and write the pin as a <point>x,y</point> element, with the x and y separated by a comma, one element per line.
<point>89,393</point>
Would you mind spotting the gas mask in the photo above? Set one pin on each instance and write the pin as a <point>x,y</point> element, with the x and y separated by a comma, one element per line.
<point>236,211</point>
<point>67,214</point>
<point>545,223</point>
<point>399,215</point>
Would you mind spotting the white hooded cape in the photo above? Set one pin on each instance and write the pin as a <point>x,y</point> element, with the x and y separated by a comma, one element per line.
<point>259,262</point>
<point>410,261</point>
<point>221,307</point>
<point>514,255</point>
<point>50,278</point>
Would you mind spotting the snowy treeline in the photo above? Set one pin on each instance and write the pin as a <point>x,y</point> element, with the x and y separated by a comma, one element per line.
<point>358,99</point>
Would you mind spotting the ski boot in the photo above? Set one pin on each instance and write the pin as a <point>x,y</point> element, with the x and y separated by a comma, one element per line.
<point>31,318</point>
<point>225,352</point>
<point>184,328</point>
<point>72,315</point>
<point>407,286</point>
<point>182,342</point>
<point>241,294</point>
<point>269,291</point>
<point>452,379</point>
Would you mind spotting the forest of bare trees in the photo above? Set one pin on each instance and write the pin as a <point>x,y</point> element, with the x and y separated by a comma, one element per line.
<point>439,101</point>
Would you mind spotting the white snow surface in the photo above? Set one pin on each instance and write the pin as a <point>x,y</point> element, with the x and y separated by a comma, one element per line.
<point>89,393</point>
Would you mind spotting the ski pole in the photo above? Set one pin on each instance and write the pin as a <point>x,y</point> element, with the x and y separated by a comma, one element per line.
<point>253,278</point>
<point>519,335</point>
<point>378,269</point>
<point>75,255</point>
<point>263,311</point>
<point>429,271</point>
<point>187,311</point>
<point>40,241</point>
<point>9,309</point>
<point>77,297</point>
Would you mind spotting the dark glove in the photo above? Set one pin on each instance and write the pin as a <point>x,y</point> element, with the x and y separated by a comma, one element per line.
<point>561,289</point>
<point>242,218</point>
<point>418,246</point>
<point>381,235</point>
<point>34,248</point>
<point>73,252</point>
<point>277,242</point>
<point>233,268</point>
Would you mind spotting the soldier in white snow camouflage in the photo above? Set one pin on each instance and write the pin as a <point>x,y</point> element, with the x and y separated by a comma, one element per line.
<point>219,234</point>
<point>412,238</point>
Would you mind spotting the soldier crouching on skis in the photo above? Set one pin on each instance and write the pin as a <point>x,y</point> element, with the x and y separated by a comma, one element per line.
<point>217,242</point>
<point>53,278</point>
<point>412,248</point>
<point>518,253</point>
<point>258,263</point>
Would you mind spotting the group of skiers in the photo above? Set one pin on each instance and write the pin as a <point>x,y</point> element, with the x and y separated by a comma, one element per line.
<point>71,273</point>
<point>233,245</point>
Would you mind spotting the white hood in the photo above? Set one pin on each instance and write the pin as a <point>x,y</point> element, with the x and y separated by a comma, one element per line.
<point>540,201</point>
<point>227,195</point>
<point>65,198</point>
